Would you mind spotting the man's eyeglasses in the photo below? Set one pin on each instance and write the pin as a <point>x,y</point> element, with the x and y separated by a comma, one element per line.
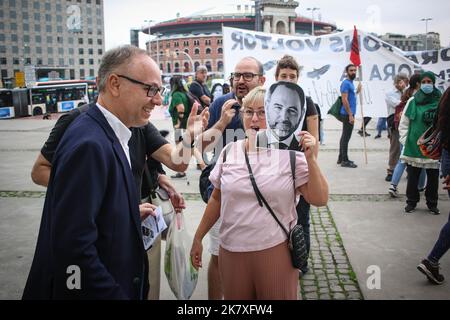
<point>248,76</point>
<point>152,89</point>
<point>261,114</point>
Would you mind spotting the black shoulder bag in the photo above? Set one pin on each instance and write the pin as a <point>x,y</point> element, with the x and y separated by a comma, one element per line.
<point>296,237</point>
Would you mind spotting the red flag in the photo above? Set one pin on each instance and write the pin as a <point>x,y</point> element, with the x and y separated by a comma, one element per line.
<point>354,53</point>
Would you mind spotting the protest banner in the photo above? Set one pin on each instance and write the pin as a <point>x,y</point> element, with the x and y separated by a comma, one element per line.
<point>324,58</point>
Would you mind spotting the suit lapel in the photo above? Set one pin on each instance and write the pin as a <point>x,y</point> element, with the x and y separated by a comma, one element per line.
<point>98,116</point>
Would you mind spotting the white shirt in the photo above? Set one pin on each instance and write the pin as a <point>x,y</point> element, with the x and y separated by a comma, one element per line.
<point>392,99</point>
<point>121,131</point>
<point>273,141</point>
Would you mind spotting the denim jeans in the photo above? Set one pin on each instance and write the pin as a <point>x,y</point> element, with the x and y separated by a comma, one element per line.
<point>347,129</point>
<point>443,243</point>
<point>400,168</point>
<point>381,125</point>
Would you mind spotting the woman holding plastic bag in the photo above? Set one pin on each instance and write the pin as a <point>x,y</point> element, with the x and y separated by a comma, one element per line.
<point>254,258</point>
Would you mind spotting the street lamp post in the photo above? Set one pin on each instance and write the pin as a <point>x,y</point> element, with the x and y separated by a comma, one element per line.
<point>312,18</point>
<point>426,31</point>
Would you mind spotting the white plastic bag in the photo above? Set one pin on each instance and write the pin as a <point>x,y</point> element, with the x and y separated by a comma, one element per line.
<point>180,273</point>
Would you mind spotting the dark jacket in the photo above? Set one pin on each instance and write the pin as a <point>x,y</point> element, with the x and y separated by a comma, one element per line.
<point>90,219</point>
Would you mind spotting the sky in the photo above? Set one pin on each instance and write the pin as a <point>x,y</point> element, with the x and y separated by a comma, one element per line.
<point>378,16</point>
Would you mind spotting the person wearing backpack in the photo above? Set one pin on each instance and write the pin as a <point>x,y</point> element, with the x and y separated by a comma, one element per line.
<point>254,257</point>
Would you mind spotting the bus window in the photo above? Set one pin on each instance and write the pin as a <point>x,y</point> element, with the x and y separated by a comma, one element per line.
<point>6,104</point>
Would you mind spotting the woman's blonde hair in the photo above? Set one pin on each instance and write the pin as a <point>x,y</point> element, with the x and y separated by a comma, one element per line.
<point>255,94</point>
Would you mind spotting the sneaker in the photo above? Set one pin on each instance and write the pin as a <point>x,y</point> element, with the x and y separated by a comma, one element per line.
<point>393,191</point>
<point>434,210</point>
<point>410,208</point>
<point>179,175</point>
<point>339,161</point>
<point>378,136</point>
<point>348,164</point>
<point>431,271</point>
<point>360,132</point>
<point>388,177</point>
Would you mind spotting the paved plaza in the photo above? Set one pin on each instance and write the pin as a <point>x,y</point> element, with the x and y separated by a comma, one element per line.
<point>363,245</point>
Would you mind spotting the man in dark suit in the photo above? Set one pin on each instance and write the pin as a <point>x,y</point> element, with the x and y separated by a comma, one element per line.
<point>90,243</point>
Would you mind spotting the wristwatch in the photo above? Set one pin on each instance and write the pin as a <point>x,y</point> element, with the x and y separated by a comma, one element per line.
<point>181,139</point>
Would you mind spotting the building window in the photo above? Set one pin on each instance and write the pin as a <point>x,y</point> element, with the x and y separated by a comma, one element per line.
<point>38,39</point>
<point>49,39</point>
<point>13,14</point>
<point>80,51</point>
<point>50,61</point>
<point>168,67</point>
<point>186,43</point>
<point>99,41</point>
<point>48,18</point>
<point>59,18</point>
<point>219,66</point>
<point>3,60</point>
<point>71,61</point>
<point>175,44</point>
<point>91,73</point>
<point>81,73</point>
<point>100,51</point>
<point>24,15</point>
<point>196,43</point>
<point>15,60</point>
<point>25,4</point>
<point>47,7</point>
<point>80,40</point>
<point>50,50</point>
<point>15,49</point>
<point>71,51</point>
<point>61,51</point>
<point>38,50</point>
<point>14,37</point>
<point>219,50</point>
<point>197,51</point>
<point>59,29</point>
<point>91,51</point>
<point>61,61</point>
<point>26,27</point>
<point>37,28</point>
<point>186,67</point>
<point>176,67</point>
<point>59,39</point>
<point>37,17</point>
<point>28,61</point>
<point>219,41</point>
<point>81,61</point>
<point>196,64</point>
<point>2,49</point>
<point>35,5</point>
<point>207,42</point>
<point>208,65</point>
<point>91,61</point>
<point>208,51</point>
<point>186,51</point>
<point>13,26</point>
<point>90,41</point>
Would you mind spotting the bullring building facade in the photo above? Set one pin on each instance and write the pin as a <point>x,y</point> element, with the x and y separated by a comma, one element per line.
<point>181,44</point>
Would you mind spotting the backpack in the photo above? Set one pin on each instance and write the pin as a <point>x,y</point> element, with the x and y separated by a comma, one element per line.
<point>203,182</point>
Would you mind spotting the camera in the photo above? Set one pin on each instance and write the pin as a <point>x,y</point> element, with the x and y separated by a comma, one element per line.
<point>236,107</point>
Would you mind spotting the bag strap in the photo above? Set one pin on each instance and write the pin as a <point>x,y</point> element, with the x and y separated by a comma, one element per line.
<point>259,195</point>
<point>149,178</point>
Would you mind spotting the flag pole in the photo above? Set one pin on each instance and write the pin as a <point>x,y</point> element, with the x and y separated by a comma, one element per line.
<point>362,113</point>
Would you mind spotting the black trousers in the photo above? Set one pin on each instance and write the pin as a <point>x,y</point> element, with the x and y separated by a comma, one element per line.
<point>347,129</point>
<point>431,191</point>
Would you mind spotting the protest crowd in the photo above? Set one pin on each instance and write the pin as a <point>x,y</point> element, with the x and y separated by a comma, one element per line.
<point>256,146</point>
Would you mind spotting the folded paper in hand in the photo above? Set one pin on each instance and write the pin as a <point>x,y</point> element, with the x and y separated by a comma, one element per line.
<point>152,227</point>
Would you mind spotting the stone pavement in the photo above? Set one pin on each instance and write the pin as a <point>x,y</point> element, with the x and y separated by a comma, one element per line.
<point>362,229</point>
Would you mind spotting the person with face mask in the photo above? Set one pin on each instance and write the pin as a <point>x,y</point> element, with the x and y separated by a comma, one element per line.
<point>417,117</point>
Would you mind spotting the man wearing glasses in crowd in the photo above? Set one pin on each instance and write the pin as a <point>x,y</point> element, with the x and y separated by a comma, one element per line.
<point>224,126</point>
<point>199,88</point>
<point>91,221</point>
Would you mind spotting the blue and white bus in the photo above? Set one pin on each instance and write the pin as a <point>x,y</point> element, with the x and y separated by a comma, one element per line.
<point>57,98</point>
<point>6,104</point>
